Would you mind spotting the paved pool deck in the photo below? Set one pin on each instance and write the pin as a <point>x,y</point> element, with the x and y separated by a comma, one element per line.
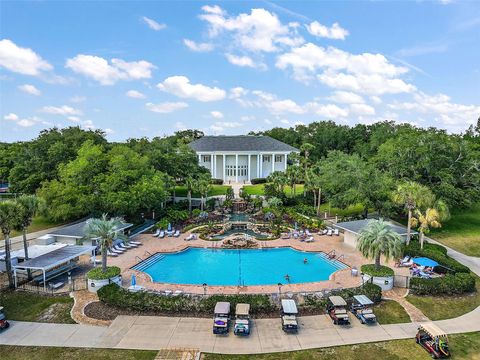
<point>155,333</point>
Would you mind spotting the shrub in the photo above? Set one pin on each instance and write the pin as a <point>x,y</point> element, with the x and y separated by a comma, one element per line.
<point>258,303</point>
<point>449,284</point>
<point>98,274</point>
<point>370,269</point>
<point>216,181</point>
<point>258,181</point>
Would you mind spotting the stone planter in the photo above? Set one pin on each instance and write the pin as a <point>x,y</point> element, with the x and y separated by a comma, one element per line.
<point>94,285</point>
<point>385,282</point>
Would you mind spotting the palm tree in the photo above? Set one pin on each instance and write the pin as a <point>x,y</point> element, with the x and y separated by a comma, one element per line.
<point>306,149</point>
<point>412,195</point>
<point>28,208</point>
<point>293,176</point>
<point>431,218</point>
<point>104,231</point>
<point>204,186</point>
<point>190,183</point>
<point>315,184</point>
<point>169,185</point>
<point>377,239</point>
<point>9,219</point>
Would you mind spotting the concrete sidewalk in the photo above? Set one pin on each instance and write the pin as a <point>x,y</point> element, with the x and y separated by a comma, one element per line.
<point>151,332</point>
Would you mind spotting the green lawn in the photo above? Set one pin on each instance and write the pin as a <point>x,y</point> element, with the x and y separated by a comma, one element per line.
<point>258,189</point>
<point>23,306</point>
<point>216,190</point>
<point>461,232</point>
<point>446,307</point>
<point>38,223</point>
<point>391,312</point>
<point>463,347</point>
<point>47,353</point>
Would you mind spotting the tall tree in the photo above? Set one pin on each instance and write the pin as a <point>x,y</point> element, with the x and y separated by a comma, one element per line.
<point>190,184</point>
<point>9,220</point>
<point>293,176</point>
<point>105,231</point>
<point>377,239</point>
<point>412,195</point>
<point>28,206</point>
<point>204,186</point>
<point>429,218</point>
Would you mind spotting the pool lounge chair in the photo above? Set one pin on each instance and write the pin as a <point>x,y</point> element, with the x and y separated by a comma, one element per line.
<point>329,232</point>
<point>308,233</point>
<point>112,254</point>
<point>116,247</point>
<point>310,239</point>
<point>161,235</point>
<point>177,293</point>
<point>156,233</point>
<point>123,246</point>
<point>324,232</point>
<point>336,232</point>
<point>135,242</point>
<point>168,292</point>
<point>176,233</point>
<point>407,261</point>
<point>191,237</point>
<point>286,236</point>
<point>112,250</point>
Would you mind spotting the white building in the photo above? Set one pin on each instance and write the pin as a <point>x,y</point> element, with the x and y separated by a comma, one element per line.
<point>241,158</point>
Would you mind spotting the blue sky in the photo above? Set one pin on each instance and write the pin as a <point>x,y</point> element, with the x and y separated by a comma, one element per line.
<point>151,68</point>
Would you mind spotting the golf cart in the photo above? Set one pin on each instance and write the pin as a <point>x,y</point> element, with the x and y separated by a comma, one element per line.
<point>289,316</point>
<point>361,308</point>
<point>221,320</point>
<point>336,308</point>
<point>433,340</point>
<point>242,320</point>
<point>3,320</point>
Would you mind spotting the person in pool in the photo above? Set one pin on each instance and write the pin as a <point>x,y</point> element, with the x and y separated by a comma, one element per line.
<point>287,277</point>
<point>305,261</point>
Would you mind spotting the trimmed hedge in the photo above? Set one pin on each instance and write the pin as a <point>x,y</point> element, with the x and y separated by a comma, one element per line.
<point>437,253</point>
<point>216,181</point>
<point>449,284</point>
<point>258,303</point>
<point>98,274</point>
<point>258,181</point>
<point>369,269</point>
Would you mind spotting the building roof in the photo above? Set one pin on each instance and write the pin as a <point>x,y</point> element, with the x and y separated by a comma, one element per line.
<point>239,143</point>
<point>78,230</point>
<point>57,257</point>
<point>357,226</point>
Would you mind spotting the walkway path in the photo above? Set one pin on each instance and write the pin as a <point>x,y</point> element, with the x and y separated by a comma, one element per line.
<point>398,295</point>
<point>148,332</point>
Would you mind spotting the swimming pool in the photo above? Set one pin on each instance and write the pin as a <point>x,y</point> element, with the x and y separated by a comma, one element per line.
<point>239,267</point>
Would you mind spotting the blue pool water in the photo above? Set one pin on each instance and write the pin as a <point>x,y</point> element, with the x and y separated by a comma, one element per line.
<point>239,267</point>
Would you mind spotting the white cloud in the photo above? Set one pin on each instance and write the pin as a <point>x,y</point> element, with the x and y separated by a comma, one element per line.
<point>106,73</point>
<point>376,99</point>
<point>109,131</point>
<point>77,99</point>
<point>180,86</point>
<point>198,47</point>
<point>361,109</point>
<point>30,89</point>
<point>237,92</point>
<point>152,24</point>
<point>74,119</point>
<point>61,110</point>
<point>166,107</point>
<point>216,114</point>
<point>334,32</point>
<point>276,106</point>
<point>23,122</point>
<point>328,111</point>
<point>135,94</point>
<point>180,126</point>
<point>11,117</point>
<point>259,31</point>
<point>346,97</point>
<point>222,125</point>
<point>244,61</point>
<point>21,60</point>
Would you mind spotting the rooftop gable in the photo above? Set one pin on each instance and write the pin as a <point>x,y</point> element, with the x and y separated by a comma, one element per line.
<point>240,143</point>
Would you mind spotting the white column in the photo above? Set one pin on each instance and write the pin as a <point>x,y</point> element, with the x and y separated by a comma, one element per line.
<point>273,163</point>
<point>214,159</point>
<point>258,166</point>
<point>285,156</point>
<point>211,165</point>
<point>248,167</point>
<point>224,169</point>
<point>236,167</point>
<point>199,159</point>
<point>261,166</point>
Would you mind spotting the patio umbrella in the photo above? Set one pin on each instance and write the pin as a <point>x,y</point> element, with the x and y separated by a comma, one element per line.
<point>295,226</point>
<point>169,227</point>
<point>134,280</point>
<point>423,261</point>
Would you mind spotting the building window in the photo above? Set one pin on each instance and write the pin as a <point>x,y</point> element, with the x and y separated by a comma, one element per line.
<point>206,158</point>
<point>267,158</point>
<point>278,158</point>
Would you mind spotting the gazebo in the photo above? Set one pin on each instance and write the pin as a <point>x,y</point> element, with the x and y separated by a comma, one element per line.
<point>54,263</point>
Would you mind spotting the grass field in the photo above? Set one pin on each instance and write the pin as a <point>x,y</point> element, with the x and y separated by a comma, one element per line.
<point>461,232</point>
<point>446,307</point>
<point>38,223</point>
<point>463,347</point>
<point>47,353</point>
<point>391,312</point>
<point>258,189</point>
<point>23,306</point>
<point>216,190</point>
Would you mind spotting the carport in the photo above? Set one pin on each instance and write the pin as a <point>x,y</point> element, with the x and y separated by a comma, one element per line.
<point>54,263</point>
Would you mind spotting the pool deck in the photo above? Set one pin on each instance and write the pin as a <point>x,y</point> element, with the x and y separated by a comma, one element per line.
<point>323,243</point>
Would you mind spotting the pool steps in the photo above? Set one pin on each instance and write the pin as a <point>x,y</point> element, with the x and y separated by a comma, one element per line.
<point>334,262</point>
<point>148,262</point>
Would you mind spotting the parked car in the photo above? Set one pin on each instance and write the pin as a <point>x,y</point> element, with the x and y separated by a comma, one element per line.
<point>336,308</point>
<point>221,320</point>
<point>289,316</point>
<point>362,308</point>
<point>433,340</point>
<point>242,320</point>
<point>4,324</point>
